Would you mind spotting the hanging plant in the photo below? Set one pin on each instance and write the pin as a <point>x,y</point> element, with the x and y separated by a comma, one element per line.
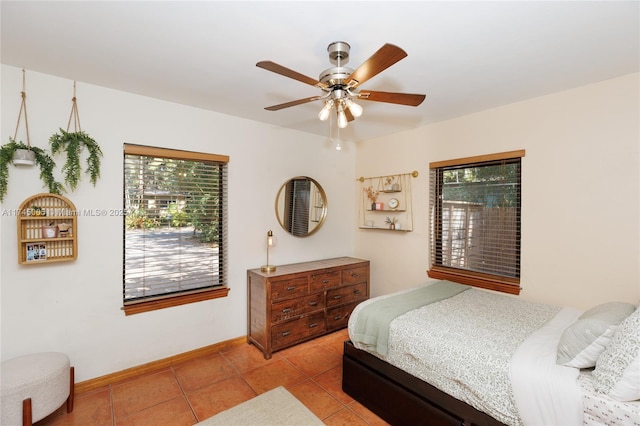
<point>25,154</point>
<point>42,159</point>
<point>73,144</point>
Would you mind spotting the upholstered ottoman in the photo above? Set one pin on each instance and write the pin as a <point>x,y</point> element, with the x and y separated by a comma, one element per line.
<point>34,386</point>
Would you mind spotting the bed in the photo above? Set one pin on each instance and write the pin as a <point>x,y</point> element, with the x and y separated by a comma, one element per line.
<point>449,354</point>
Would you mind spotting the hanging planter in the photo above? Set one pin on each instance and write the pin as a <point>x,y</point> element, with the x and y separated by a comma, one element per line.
<point>24,157</point>
<point>19,153</point>
<point>41,158</point>
<point>73,143</point>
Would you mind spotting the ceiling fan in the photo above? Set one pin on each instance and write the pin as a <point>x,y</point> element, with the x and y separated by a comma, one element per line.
<point>339,83</point>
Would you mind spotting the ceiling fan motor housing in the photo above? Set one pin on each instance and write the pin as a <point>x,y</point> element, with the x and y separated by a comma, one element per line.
<point>335,76</point>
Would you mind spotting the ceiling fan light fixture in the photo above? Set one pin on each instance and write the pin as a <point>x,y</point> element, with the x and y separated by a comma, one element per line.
<point>342,117</point>
<point>356,110</point>
<point>323,115</point>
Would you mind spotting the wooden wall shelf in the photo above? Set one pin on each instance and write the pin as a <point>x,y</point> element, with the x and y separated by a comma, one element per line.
<point>47,230</point>
<point>388,188</point>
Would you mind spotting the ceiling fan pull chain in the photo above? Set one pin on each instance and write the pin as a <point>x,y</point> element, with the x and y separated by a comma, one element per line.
<point>23,109</point>
<point>74,112</point>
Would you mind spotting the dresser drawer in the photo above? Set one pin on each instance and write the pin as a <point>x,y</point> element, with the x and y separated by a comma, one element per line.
<point>322,281</point>
<point>339,317</point>
<point>342,295</point>
<point>294,331</point>
<point>292,308</point>
<point>287,289</point>
<point>355,275</point>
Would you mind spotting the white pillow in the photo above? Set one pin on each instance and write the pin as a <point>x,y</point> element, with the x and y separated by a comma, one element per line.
<point>583,341</point>
<point>617,371</point>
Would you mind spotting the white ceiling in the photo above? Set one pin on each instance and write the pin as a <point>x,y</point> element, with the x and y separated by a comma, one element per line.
<point>466,56</point>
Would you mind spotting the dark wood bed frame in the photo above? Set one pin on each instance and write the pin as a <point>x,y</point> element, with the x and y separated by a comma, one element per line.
<point>400,398</point>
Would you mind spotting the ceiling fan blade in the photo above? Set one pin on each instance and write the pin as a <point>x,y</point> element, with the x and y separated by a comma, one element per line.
<point>279,69</point>
<point>386,56</point>
<point>392,98</point>
<point>292,103</point>
<point>348,114</point>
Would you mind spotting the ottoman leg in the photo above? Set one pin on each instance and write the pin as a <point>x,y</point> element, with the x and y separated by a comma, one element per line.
<point>72,386</point>
<point>26,412</point>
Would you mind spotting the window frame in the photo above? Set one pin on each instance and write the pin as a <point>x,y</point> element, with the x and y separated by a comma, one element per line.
<point>185,297</point>
<point>484,280</point>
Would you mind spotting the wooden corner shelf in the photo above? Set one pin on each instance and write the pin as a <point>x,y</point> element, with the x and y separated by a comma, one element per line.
<point>42,238</point>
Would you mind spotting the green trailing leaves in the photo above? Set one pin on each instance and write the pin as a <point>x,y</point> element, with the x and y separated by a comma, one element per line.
<point>43,160</point>
<point>72,143</point>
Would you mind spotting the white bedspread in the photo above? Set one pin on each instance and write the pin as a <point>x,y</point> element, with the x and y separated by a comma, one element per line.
<point>467,354</point>
<point>546,393</point>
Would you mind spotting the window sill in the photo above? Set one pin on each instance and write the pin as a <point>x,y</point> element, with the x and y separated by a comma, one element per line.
<point>175,300</point>
<point>476,279</point>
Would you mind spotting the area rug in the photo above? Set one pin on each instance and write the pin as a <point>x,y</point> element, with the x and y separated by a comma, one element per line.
<point>274,408</point>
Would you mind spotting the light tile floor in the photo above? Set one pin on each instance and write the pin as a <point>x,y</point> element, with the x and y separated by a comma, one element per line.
<point>191,391</point>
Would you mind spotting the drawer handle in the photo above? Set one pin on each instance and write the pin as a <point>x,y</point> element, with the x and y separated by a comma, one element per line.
<point>356,291</point>
<point>314,303</point>
<point>337,317</point>
<point>291,288</point>
<point>325,281</point>
<point>337,297</point>
<point>286,310</point>
<point>286,333</point>
<point>315,324</point>
<point>353,274</point>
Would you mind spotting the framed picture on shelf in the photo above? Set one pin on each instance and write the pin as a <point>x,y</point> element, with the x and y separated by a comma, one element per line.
<point>36,252</point>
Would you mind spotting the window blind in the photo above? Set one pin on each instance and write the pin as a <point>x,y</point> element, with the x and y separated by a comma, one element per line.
<point>475,219</point>
<point>175,223</point>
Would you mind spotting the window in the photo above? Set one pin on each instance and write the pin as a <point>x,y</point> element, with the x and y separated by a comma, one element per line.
<point>175,232</point>
<point>475,221</point>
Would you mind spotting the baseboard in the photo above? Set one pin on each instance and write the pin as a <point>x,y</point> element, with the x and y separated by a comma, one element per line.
<point>98,382</point>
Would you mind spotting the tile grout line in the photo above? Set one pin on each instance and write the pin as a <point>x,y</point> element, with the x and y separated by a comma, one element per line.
<point>111,405</point>
<point>184,393</point>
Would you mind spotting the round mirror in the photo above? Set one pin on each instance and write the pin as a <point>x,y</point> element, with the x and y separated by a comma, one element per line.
<point>301,206</point>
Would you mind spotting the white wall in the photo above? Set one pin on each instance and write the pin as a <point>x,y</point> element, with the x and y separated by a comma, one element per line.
<point>580,196</point>
<point>74,307</point>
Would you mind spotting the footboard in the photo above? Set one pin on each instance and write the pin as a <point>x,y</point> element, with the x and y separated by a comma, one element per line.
<point>400,398</point>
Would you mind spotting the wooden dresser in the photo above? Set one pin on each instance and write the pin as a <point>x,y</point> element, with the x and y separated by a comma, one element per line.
<point>302,301</point>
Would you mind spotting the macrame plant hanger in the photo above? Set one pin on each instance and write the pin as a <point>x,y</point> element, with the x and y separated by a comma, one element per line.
<point>25,157</point>
<point>73,142</point>
<point>74,112</point>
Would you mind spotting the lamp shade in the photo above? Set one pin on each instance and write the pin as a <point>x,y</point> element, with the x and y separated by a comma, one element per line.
<point>356,110</point>
<point>342,118</point>
<point>324,112</point>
